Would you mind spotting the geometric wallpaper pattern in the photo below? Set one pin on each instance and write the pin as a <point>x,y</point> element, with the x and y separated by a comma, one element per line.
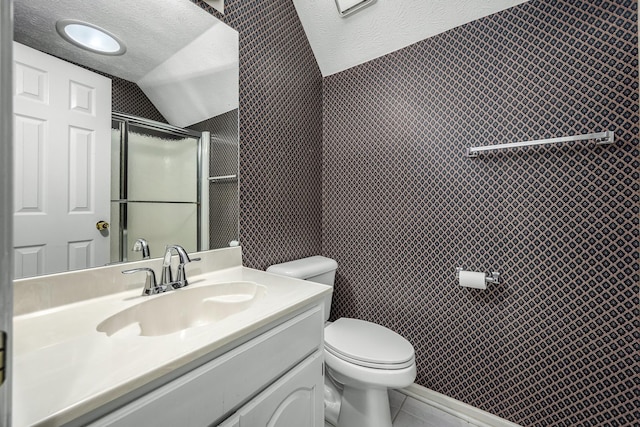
<point>557,342</point>
<point>280,133</point>
<point>128,98</point>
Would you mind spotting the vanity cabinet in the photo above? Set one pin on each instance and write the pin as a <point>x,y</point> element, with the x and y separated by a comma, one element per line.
<point>275,379</point>
<point>296,399</point>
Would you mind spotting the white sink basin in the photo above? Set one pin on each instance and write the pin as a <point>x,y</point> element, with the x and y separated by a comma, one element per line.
<point>183,308</point>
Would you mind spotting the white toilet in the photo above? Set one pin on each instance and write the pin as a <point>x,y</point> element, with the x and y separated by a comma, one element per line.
<point>363,359</point>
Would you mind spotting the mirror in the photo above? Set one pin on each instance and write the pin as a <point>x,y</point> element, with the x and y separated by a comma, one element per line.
<point>179,67</point>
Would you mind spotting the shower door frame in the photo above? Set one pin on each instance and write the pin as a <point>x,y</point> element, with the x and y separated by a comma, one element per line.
<point>202,171</point>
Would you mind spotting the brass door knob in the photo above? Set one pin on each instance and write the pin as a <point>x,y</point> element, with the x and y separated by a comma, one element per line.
<point>102,225</point>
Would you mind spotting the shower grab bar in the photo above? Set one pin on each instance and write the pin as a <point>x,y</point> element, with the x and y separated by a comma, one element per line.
<point>600,138</point>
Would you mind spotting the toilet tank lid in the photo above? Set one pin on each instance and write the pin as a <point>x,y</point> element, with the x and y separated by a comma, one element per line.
<point>305,268</point>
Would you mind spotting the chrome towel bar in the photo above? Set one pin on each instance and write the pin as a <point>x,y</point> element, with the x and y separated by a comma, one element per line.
<point>600,138</point>
<point>222,178</point>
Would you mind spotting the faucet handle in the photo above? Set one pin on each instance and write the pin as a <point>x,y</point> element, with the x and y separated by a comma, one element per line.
<point>181,279</point>
<point>183,255</point>
<point>167,275</point>
<point>150,285</point>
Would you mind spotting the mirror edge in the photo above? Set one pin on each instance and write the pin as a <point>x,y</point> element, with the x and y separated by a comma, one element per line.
<point>6,208</point>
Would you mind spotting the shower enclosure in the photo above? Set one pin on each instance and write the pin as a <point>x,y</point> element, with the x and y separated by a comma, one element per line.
<point>157,194</point>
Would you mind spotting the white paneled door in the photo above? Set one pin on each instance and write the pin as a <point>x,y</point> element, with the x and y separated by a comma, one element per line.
<point>62,149</point>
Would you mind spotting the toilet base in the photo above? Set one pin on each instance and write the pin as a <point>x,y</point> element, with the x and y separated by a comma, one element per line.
<point>365,391</point>
<point>364,407</point>
<point>332,399</point>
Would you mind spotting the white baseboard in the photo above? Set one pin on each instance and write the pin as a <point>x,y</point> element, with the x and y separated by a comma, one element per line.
<point>455,407</point>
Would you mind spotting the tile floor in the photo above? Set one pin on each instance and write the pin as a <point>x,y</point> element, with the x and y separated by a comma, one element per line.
<point>409,412</point>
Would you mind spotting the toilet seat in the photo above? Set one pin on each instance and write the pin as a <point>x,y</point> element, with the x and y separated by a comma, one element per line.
<point>368,344</point>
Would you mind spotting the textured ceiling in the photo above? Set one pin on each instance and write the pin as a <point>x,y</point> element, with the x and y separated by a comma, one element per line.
<point>176,52</point>
<point>386,26</point>
<point>152,30</point>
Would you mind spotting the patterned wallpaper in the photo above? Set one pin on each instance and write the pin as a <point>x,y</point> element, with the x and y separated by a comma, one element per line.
<point>128,98</point>
<point>280,133</point>
<point>558,342</point>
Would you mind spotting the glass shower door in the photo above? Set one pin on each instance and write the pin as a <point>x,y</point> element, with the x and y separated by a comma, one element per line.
<point>162,189</point>
<point>156,191</point>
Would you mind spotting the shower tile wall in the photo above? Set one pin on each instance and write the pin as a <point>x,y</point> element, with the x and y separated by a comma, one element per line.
<point>557,343</point>
<point>280,133</point>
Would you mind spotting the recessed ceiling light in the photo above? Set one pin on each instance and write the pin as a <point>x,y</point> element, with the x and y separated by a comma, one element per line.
<point>90,37</point>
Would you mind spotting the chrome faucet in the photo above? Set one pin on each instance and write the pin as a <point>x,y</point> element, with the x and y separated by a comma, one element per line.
<point>151,287</point>
<point>167,276</point>
<point>142,245</point>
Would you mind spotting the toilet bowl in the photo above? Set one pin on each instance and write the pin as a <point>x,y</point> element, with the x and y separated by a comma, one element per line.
<point>362,359</point>
<point>366,359</point>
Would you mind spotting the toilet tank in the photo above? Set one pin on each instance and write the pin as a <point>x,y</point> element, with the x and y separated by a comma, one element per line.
<point>316,269</point>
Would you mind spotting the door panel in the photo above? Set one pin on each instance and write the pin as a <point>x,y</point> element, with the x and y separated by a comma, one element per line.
<point>80,254</point>
<point>28,150</point>
<point>62,141</point>
<point>81,152</point>
<point>28,260</point>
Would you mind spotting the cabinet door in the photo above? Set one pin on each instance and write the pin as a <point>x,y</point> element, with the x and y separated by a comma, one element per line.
<point>212,391</point>
<point>295,400</point>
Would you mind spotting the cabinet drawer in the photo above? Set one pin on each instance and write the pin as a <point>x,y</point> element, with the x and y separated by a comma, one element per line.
<point>210,392</point>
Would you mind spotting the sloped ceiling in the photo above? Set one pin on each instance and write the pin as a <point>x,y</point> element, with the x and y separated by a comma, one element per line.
<point>183,58</point>
<point>340,43</point>
<point>151,37</point>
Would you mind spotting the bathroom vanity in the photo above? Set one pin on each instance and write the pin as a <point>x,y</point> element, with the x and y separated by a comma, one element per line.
<point>89,350</point>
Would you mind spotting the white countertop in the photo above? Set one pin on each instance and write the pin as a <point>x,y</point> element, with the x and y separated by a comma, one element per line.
<point>64,368</point>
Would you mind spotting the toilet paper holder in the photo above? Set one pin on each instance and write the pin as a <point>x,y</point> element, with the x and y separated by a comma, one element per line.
<point>493,277</point>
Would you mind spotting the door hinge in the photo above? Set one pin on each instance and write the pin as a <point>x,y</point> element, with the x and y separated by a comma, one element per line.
<point>3,355</point>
